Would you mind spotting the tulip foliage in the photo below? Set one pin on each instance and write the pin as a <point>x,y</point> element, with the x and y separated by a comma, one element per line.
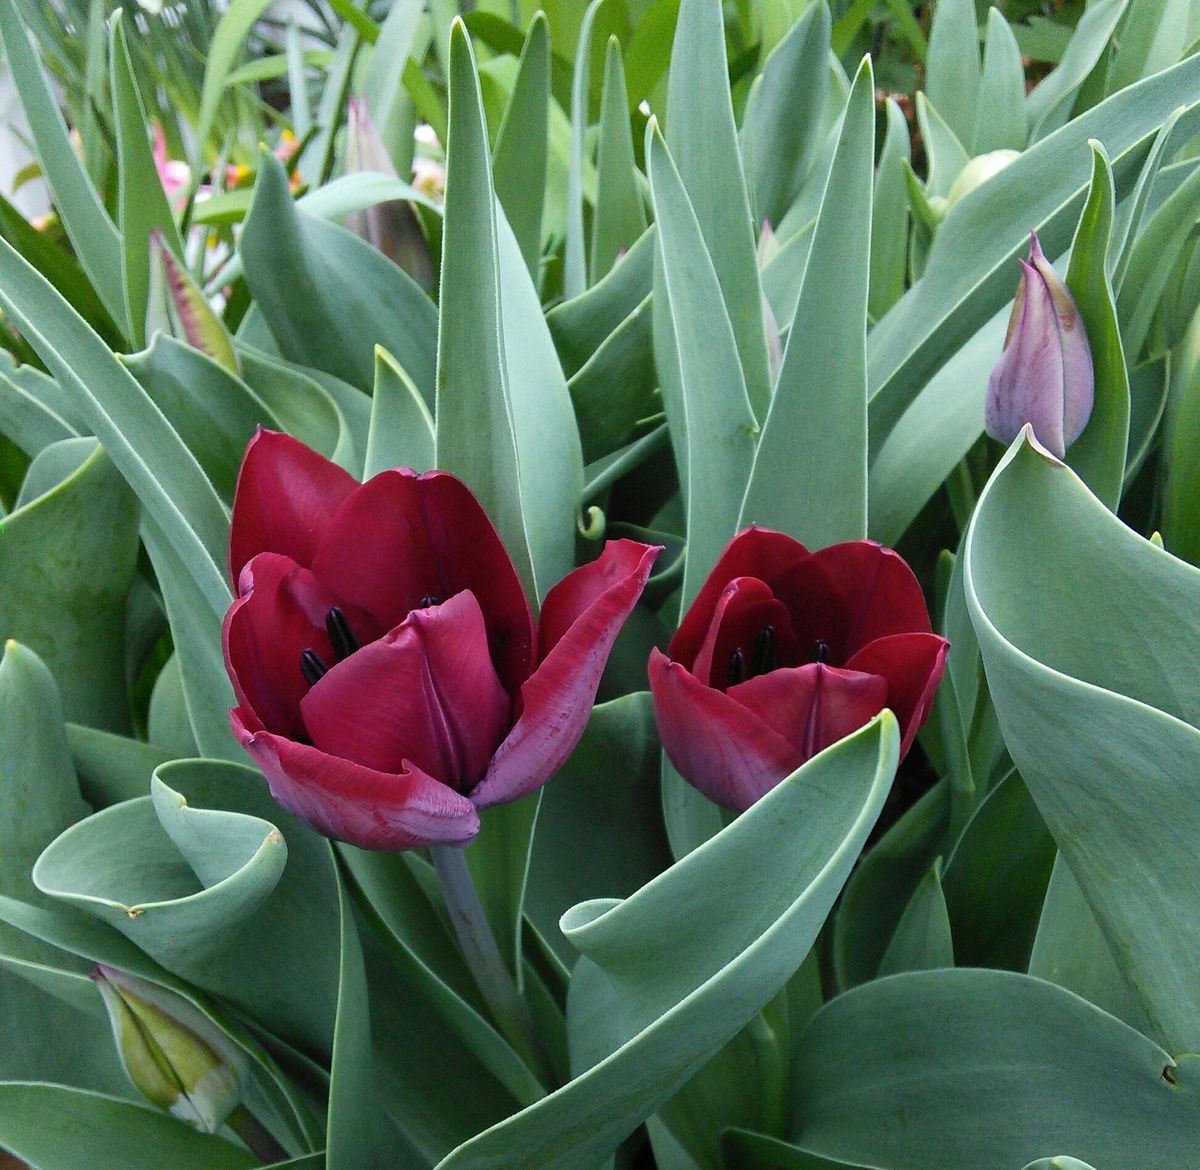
<point>663,641</point>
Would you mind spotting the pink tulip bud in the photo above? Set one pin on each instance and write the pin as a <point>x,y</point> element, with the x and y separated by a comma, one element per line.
<point>1044,376</point>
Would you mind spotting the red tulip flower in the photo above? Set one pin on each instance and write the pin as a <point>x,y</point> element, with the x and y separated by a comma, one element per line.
<point>783,653</point>
<point>390,678</point>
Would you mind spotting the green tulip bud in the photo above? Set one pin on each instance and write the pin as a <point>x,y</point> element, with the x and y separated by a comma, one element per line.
<point>171,1052</point>
<point>977,172</point>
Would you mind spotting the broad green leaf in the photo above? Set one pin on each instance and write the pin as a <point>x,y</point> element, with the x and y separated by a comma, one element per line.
<point>520,159</point>
<point>168,725</point>
<point>1098,455</point>
<point>575,276</point>
<point>934,434</point>
<point>144,209</point>
<point>744,1150</point>
<point>600,826</point>
<point>946,155</point>
<point>67,560</point>
<point>1152,37</point>
<point>615,387</point>
<point>1049,105</point>
<point>211,409</point>
<point>620,216</point>
<point>756,895</point>
<point>40,795</point>
<point>1070,949</point>
<point>303,406</point>
<point>111,768</point>
<point>989,1070</point>
<point>54,1127</point>
<point>996,879</point>
<point>476,439</point>
<point>703,142</point>
<point>781,127</point>
<point>124,867</point>
<point>137,437</point>
<point>1094,692</point>
<point>92,232</point>
<point>1001,124</point>
<point>405,33</point>
<point>401,426</point>
<point>712,422</point>
<point>952,73</point>
<point>328,296</point>
<point>889,216</point>
<point>1181,487</point>
<point>196,633</point>
<point>1062,1162</point>
<point>809,477</point>
<point>581,325</point>
<point>1164,233</point>
<point>549,456</point>
<point>969,275</point>
<point>922,939</point>
<point>882,885</point>
<point>354,1127</point>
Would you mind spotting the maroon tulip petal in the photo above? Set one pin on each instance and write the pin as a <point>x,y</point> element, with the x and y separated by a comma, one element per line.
<point>557,699</point>
<point>746,607</point>
<point>813,705</point>
<point>370,809</point>
<point>426,694</point>
<point>912,664</point>
<point>403,538</point>
<point>285,495</point>
<point>280,613</point>
<point>716,743</point>
<point>754,552</point>
<point>579,590</point>
<point>850,594</point>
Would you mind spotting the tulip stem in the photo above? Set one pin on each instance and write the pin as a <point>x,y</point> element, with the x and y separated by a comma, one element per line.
<point>479,948</point>
<point>257,1137</point>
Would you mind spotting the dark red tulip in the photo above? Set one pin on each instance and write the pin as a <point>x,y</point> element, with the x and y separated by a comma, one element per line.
<point>390,678</point>
<point>784,652</point>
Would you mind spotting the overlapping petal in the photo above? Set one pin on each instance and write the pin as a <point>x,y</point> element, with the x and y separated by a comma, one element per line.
<point>913,665</point>
<point>365,807</point>
<point>285,496</point>
<point>715,742</point>
<point>756,552</point>
<point>557,698</point>
<point>425,694</point>
<point>280,613</point>
<point>404,538</point>
<point>746,607</point>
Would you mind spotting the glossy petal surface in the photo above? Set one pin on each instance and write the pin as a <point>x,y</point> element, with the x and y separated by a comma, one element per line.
<point>425,694</point>
<point>716,743</point>
<point>557,699</point>
<point>402,538</point>
<point>280,613</point>
<point>286,494</point>
<point>913,665</point>
<point>367,808</point>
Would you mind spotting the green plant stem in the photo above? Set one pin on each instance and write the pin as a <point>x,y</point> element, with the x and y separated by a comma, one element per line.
<point>478,946</point>
<point>772,1075</point>
<point>256,1136</point>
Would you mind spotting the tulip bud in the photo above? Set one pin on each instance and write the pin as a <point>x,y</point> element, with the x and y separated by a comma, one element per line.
<point>390,227</point>
<point>977,172</point>
<point>1044,376</point>
<point>171,1052</point>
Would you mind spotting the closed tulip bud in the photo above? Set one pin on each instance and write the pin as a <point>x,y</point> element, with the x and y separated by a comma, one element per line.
<point>977,172</point>
<point>171,1052</point>
<point>1044,376</point>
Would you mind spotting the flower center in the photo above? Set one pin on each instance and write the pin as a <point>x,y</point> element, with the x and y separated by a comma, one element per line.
<point>341,637</point>
<point>764,658</point>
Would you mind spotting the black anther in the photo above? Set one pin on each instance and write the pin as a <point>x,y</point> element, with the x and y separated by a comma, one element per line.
<point>737,667</point>
<point>820,650</point>
<point>764,657</point>
<point>429,600</point>
<point>340,634</point>
<point>312,667</point>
